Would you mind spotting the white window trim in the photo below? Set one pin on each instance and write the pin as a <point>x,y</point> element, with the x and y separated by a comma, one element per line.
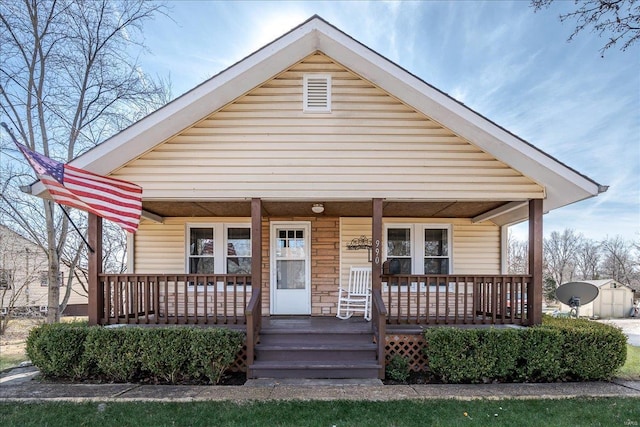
<point>416,235</point>
<point>305,92</point>
<point>219,250</point>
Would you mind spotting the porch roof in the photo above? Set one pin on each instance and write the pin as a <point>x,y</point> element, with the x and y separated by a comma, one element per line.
<point>344,208</point>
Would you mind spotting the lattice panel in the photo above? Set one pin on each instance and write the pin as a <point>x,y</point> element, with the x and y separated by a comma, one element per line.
<point>407,346</point>
<point>240,364</point>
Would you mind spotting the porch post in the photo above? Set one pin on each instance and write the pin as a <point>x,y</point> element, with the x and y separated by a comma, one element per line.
<point>534,292</point>
<point>376,241</point>
<point>96,298</point>
<point>253,312</point>
<point>256,243</point>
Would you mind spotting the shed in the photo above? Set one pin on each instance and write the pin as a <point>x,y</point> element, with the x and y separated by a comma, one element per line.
<point>614,300</point>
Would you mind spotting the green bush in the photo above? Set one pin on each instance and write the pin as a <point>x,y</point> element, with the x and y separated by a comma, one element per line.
<point>115,352</point>
<point>472,355</point>
<point>592,350</point>
<point>58,350</point>
<point>127,354</point>
<point>213,350</point>
<point>558,350</point>
<point>398,368</point>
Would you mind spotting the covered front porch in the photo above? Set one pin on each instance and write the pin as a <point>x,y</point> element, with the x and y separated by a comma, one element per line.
<point>405,301</point>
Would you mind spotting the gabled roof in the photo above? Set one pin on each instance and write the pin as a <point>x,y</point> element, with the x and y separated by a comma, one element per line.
<point>563,185</point>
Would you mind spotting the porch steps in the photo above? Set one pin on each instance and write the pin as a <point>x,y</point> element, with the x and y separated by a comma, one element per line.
<point>315,353</point>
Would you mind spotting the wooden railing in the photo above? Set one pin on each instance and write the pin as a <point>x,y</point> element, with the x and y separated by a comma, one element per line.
<point>254,324</point>
<point>447,299</point>
<point>174,299</point>
<point>379,325</point>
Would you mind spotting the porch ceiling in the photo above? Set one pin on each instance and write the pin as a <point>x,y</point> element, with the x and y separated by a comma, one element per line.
<point>449,209</point>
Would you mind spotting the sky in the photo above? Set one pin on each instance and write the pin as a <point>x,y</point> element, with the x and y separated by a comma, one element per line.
<point>501,59</point>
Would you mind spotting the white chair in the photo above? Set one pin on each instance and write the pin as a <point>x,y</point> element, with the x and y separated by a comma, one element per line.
<point>357,296</point>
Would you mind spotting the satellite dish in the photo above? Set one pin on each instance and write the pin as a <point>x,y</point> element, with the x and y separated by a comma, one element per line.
<point>575,294</point>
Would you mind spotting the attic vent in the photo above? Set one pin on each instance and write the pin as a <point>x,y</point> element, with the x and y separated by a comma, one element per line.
<point>317,93</point>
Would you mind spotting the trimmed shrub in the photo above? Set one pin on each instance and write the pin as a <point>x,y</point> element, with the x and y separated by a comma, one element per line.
<point>212,351</point>
<point>58,350</point>
<point>398,368</point>
<point>558,350</point>
<point>592,350</point>
<point>165,353</point>
<point>541,357</point>
<point>128,354</point>
<point>115,352</point>
<point>472,355</point>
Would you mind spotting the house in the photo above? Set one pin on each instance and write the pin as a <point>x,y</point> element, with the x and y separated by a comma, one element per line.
<point>24,280</point>
<point>263,186</point>
<point>614,300</point>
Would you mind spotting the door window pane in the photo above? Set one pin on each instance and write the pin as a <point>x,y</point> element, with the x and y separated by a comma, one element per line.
<point>290,274</point>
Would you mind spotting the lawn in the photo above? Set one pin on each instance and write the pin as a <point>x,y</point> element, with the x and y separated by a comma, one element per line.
<point>523,413</point>
<point>631,368</point>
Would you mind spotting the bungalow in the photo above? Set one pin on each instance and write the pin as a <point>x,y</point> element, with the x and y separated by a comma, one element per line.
<point>265,184</point>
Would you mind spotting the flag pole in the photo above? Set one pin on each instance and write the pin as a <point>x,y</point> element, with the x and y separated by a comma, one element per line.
<point>76,228</point>
<point>15,141</point>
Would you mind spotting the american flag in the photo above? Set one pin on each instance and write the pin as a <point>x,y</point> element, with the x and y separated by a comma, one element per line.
<point>113,199</point>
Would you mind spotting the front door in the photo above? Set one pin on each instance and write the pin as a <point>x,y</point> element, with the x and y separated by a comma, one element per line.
<point>291,268</point>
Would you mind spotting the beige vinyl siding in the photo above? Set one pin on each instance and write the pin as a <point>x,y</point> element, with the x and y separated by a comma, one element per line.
<point>476,247</point>
<point>264,145</point>
<point>160,248</point>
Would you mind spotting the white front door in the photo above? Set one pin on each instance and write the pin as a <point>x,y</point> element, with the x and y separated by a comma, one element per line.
<point>290,268</point>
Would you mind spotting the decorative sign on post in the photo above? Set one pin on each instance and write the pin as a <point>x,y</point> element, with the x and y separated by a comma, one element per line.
<point>360,243</point>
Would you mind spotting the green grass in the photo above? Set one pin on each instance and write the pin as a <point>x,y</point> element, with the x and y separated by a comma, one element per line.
<point>9,361</point>
<point>523,413</point>
<point>631,368</point>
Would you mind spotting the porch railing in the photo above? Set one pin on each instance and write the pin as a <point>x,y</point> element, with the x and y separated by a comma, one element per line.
<point>174,299</point>
<point>254,324</point>
<point>379,326</point>
<point>448,299</point>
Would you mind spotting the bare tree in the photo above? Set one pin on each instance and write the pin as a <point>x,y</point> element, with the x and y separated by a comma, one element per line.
<point>560,251</point>
<point>69,78</point>
<point>517,255</point>
<point>619,261</point>
<point>588,260</point>
<point>617,20</point>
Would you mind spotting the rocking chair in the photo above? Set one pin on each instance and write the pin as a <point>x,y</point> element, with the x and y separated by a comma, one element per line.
<point>357,297</point>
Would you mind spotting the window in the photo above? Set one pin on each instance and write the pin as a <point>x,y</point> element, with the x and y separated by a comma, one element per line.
<point>201,251</point>
<point>436,251</point>
<point>420,248</point>
<point>399,247</point>
<point>317,93</point>
<point>238,250</point>
<point>44,278</point>
<point>5,279</point>
<point>219,249</point>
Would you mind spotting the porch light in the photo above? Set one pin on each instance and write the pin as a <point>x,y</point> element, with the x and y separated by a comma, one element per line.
<point>317,208</point>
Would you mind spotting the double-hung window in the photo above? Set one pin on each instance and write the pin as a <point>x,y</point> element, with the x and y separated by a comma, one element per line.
<point>219,249</point>
<point>419,248</point>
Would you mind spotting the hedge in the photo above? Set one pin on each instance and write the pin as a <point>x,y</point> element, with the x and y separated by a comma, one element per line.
<point>133,354</point>
<point>558,350</point>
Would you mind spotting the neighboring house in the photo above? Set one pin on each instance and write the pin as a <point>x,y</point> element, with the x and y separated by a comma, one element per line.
<point>614,300</point>
<point>266,183</point>
<point>24,281</point>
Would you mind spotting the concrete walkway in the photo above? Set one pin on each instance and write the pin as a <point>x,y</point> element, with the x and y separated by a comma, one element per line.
<point>19,385</point>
